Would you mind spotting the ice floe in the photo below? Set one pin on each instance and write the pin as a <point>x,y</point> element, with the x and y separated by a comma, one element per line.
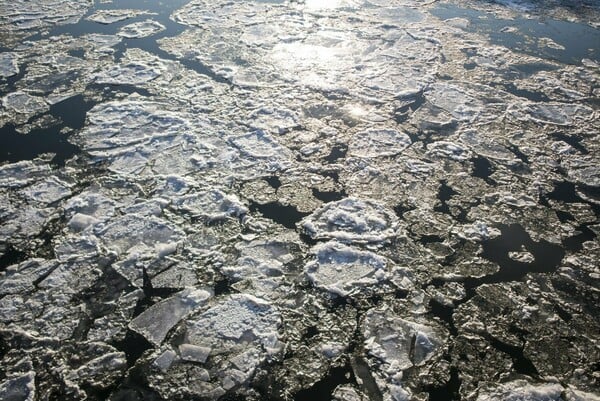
<point>141,29</point>
<point>352,220</point>
<point>343,270</point>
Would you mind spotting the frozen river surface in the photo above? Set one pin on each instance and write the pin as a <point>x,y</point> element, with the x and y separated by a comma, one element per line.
<point>283,200</point>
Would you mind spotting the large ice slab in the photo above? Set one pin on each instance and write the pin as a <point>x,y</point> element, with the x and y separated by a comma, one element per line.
<point>212,205</point>
<point>155,322</point>
<point>399,343</point>
<point>351,220</point>
<point>344,270</point>
<point>378,143</point>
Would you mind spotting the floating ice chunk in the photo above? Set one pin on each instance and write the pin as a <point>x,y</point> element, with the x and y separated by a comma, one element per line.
<point>48,191</point>
<point>276,120</point>
<point>478,231</point>
<point>399,343</point>
<point>332,349</point>
<point>521,256</point>
<point>141,29</point>
<point>77,247</point>
<point>8,65</point>
<point>111,363</point>
<point>416,166</point>
<point>552,113</point>
<point>24,103</point>
<point>347,393</point>
<point>351,220</point>
<point>132,232</point>
<point>259,145</point>
<point>194,353</point>
<point>18,279</point>
<point>262,152</point>
<point>20,388</point>
<point>81,221</point>
<point>243,330</point>
<point>517,200</point>
<point>129,74</point>
<point>164,360</point>
<point>587,175</point>
<point>92,204</point>
<point>573,394</point>
<point>156,321</point>
<point>103,43</point>
<point>448,150</point>
<point>112,16</point>
<point>344,270</point>
<point>239,316</point>
<point>21,173</point>
<point>212,205</point>
<point>131,132</point>
<point>332,4</point>
<point>378,143</point>
<point>521,390</point>
<point>455,100</point>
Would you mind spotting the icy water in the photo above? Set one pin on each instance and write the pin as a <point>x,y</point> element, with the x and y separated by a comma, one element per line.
<point>340,200</point>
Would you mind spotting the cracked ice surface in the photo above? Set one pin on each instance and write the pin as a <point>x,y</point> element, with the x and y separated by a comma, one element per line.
<point>290,200</point>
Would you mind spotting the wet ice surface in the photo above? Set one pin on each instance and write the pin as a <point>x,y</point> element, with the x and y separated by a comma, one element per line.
<point>281,200</point>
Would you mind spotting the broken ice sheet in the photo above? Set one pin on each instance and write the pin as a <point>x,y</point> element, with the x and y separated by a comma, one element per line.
<point>343,270</point>
<point>21,15</point>
<point>18,279</point>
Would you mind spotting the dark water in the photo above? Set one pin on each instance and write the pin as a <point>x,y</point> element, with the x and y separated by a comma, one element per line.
<point>286,215</point>
<point>579,40</point>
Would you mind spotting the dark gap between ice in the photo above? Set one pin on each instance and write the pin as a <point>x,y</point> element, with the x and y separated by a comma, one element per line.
<point>10,257</point>
<point>338,152</point>
<point>286,215</point>
<point>329,196</point>
<point>323,389</point>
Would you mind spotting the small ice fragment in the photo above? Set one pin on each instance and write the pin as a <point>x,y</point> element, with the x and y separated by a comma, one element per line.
<point>80,221</point>
<point>164,360</point>
<point>194,353</point>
